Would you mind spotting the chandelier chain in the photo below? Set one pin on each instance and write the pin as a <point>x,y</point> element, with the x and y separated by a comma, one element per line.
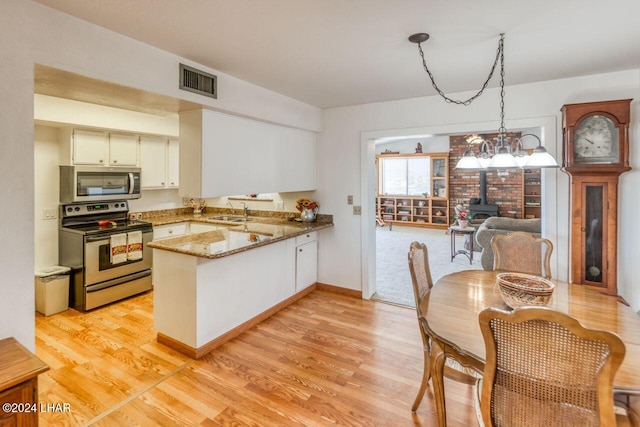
<point>499,55</point>
<point>502,129</point>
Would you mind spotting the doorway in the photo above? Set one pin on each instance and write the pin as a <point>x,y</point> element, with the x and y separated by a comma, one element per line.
<point>548,132</point>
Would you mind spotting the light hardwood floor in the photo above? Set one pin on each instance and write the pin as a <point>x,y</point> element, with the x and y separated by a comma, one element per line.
<point>327,359</point>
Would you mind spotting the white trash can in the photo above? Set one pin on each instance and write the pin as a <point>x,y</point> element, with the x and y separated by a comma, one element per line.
<point>52,290</point>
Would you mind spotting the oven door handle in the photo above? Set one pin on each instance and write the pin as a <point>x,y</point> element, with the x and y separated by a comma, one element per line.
<point>92,239</point>
<point>131,182</point>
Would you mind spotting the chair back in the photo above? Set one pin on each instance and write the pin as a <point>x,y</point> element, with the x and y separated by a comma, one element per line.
<point>543,368</point>
<point>420,275</point>
<point>522,252</point>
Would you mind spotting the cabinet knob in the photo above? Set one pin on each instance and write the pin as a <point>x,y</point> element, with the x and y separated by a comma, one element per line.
<point>101,161</point>
<point>115,161</point>
<point>162,183</point>
<point>299,250</point>
<point>172,183</point>
<point>170,231</point>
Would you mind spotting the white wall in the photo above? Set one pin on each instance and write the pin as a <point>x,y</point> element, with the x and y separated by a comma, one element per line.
<point>47,196</point>
<point>343,130</point>
<point>32,33</point>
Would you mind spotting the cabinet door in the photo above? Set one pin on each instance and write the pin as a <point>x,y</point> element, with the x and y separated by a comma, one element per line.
<point>123,150</point>
<point>153,162</point>
<point>169,230</point>
<point>173,164</point>
<point>90,147</point>
<point>306,265</point>
<point>22,394</point>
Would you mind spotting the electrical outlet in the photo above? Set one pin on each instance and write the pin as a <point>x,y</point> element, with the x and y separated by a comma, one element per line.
<point>349,200</point>
<point>357,210</point>
<point>50,213</point>
<point>279,205</point>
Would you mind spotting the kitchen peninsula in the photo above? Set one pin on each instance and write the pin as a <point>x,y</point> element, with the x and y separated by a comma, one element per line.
<point>211,286</point>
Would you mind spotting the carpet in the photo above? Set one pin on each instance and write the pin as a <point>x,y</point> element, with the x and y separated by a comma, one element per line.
<point>393,280</point>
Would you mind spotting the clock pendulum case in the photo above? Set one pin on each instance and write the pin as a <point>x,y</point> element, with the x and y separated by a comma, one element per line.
<point>595,154</point>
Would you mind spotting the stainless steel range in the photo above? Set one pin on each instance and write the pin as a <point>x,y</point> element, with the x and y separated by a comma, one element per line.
<point>106,251</point>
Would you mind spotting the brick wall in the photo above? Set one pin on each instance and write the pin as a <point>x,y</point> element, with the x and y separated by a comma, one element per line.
<point>465,184</point>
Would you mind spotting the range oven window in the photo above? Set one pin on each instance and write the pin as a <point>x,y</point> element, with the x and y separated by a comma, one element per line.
<point>104,258</point>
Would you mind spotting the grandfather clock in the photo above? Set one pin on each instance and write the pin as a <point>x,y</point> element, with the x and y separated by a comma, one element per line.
<point>595,154</point>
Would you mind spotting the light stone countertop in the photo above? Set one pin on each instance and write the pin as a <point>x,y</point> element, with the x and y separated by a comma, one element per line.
<point>235,237</point>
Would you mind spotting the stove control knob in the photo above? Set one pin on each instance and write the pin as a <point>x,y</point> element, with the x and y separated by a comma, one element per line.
<point>69,209</point>
<point>77,209</point>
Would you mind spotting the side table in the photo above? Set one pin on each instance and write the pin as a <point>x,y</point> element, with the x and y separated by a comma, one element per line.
<point>470,231</point>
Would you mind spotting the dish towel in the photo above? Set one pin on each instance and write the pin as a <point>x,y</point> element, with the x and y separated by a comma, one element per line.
<point>118,248</point>
<point>134,245</point>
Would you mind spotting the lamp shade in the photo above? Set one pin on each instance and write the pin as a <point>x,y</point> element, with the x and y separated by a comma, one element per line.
<point>468,161</point>
<point>540,158</point>
<point>503,159</point>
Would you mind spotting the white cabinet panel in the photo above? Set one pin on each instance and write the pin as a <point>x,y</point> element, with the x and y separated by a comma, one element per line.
<point>90,147</point>
<point>221,154</point>
<point>173,164</point>
<point>153,162</point>
<point>123,149</point>
<point>306,265</point>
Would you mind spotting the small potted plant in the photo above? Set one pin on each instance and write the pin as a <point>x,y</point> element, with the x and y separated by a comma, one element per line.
<point>463,220</point>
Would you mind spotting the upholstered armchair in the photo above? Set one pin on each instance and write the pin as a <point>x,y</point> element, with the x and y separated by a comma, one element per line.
<point>502,225</point>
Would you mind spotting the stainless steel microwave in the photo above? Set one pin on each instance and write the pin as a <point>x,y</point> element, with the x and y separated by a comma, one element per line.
<point>93,183</point>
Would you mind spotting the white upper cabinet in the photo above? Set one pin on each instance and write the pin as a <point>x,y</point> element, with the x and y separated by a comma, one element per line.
<point>221,154</point>
<point>90,147</point>
<point>123,149</point>
<point>97,147</point>
<point>157,156</point>
<point>173,164</point>
<point>159,161</point>
<point>153,161</point>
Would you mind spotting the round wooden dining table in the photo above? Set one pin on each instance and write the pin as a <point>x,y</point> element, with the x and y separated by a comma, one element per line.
<point>456,300</point>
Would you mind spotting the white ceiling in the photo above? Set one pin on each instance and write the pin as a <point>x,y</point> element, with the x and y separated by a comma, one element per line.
<point>331,53</point>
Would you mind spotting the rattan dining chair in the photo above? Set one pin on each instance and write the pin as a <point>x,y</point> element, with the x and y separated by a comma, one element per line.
<point>422,284</point>
<point>543,368</point>
<point>522,252</point>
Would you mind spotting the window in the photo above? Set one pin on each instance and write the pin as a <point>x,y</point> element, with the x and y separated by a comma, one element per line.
<point>404,176</point>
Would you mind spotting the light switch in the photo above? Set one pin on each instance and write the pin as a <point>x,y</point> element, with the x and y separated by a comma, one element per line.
<point>357,210</point>
<point>349,200</point>
<point>50,213</point>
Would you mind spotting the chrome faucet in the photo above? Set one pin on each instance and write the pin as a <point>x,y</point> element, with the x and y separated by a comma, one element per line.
<point>245,211</point>
<point>233,211</point>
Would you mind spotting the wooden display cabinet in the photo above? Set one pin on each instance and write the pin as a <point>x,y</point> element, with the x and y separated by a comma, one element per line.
<point>430,209</point>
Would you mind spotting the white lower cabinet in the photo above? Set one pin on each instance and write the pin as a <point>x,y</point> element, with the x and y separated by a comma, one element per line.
<point>182,229</point>
<point>169,230</point>
<point>306,261</point>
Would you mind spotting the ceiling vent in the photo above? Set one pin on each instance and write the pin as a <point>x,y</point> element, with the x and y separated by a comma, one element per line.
<point>197,81</point>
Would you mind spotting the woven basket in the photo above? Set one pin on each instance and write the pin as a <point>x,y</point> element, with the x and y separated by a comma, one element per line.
<point>519,290</point>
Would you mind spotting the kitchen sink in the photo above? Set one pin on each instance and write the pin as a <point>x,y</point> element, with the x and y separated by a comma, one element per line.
<point>229,218</point>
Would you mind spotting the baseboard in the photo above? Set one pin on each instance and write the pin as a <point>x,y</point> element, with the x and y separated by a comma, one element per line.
<point>338,290</point>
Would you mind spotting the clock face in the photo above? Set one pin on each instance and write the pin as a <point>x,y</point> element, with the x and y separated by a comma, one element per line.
<point>596,141</point>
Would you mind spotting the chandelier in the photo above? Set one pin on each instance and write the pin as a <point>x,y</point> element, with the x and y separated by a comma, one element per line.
<point>501,156</point>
